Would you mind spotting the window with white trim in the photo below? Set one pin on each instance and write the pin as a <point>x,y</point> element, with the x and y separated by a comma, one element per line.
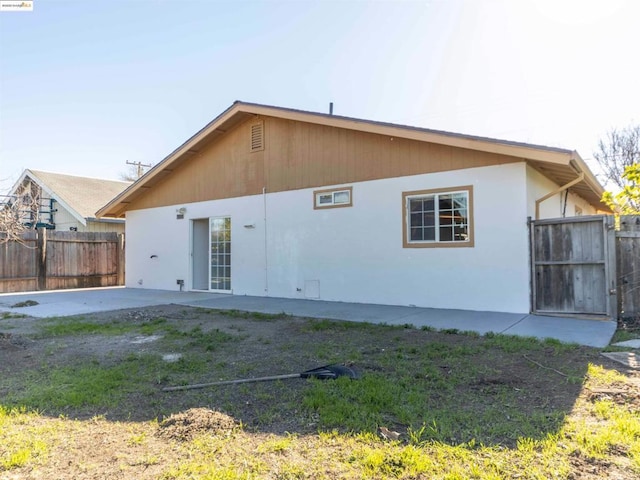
<point>436,218</point>
<point>332,198</point>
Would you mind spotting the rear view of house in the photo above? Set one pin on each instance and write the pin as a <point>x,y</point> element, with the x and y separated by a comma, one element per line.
<point>269,201</point>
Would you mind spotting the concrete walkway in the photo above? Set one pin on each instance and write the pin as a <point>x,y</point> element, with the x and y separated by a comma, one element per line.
<point>593,333</point>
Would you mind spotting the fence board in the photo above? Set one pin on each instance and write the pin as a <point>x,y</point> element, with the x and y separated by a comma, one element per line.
<point>628,251</point>
<point>51,260</point>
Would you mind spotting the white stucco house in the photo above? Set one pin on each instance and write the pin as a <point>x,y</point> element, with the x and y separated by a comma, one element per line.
<point>270,201</point>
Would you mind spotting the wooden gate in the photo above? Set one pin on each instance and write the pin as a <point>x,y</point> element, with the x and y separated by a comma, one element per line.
<point>573,266</point>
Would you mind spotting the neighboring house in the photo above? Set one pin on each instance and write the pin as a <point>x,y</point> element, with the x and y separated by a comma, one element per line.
<point>66,202</point>
<point>277,202</point>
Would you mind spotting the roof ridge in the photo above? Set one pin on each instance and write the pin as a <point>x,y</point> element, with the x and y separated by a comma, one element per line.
<point>408,127</point>
<point>76,176</point>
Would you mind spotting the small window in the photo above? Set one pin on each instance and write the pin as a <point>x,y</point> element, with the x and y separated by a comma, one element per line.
<point>578,211</point>
<point>437,218</point>
<point>332,198</point>
<point>257,137</point>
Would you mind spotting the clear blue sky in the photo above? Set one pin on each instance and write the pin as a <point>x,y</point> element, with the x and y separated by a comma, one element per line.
<point>86,85</point>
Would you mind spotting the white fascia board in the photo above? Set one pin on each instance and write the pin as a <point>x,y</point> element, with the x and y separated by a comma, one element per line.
<point>590,178</point>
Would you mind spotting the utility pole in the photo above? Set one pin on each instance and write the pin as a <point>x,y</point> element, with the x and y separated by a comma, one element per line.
<point>139,165</point>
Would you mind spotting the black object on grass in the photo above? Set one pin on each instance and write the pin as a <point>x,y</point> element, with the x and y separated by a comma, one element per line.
<point>327,372</point>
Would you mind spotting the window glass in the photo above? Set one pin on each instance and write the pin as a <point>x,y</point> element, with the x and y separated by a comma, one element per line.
<point>221,253</point>
<point>325,199</point>
<point>437,217</point>
<point>341,197</point>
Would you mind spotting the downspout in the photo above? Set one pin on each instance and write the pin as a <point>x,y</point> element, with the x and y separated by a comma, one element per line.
<point>266,264</point>
<point>557,191</point>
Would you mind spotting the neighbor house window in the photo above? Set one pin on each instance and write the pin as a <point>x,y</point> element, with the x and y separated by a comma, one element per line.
<point>332,198</point>
<point>438,218</point>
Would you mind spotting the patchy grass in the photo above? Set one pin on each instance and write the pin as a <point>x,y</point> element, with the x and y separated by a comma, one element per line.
<point>8,315</point>
<point>249,315</point>
<point>81,325</point>
<point>457,406</point>
<point>624,335</point>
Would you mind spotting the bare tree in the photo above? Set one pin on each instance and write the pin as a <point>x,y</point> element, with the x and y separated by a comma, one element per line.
<point>17,215</point>
<point>619,150</point>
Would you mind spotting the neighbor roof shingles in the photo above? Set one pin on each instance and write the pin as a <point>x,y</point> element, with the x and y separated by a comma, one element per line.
<point>85,195</point>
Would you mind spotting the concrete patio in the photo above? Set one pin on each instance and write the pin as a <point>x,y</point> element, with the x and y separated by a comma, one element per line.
<point>593,333</point>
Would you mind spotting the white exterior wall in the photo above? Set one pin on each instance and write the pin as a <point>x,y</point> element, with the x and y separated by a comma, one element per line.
<point>538,186</point>
<point>353,254</point>
<point>64,220</point>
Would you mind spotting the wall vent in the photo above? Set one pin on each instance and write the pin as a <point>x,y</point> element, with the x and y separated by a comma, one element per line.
<point>257,137</point>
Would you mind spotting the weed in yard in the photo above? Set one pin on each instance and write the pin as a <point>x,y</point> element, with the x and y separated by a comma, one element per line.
<point>278,444</point>
<point>249,315</point>
<point>450,331</point>
<point>513,343</point>
<point>320,325</point>
<point>152,326</point>
<point>616,429</point>
<point>71,387</point>
<point>9,315</point>
<point>19,445</point>
<point>94,385</point>
<point>26,303</point>
<point>624,335</point>
<point>604,376</point>
<point>138,439</point>
<point>209,341</point>
<point>62,326</point>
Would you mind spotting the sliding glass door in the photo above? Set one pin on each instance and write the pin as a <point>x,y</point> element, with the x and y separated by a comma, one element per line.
<point>221,254</point>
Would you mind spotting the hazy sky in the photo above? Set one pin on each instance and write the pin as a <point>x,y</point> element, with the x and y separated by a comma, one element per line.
<point>86,85</point>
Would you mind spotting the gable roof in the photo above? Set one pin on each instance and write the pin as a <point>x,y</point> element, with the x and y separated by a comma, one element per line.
<point>80,196</point>
<point>560,165</point>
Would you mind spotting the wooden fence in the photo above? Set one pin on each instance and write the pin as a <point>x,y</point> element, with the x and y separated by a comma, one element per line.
<point>51,260</point>
<point>628,266</point>
<point>586,266</point>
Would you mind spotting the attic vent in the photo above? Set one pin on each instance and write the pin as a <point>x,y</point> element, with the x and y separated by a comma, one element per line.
<point>257,137</point>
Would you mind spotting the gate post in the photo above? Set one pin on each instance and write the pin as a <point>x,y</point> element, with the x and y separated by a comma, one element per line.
<point>120,259</point>
<point>41,260</point>
<point>610,264</point>
<point>532,266</point>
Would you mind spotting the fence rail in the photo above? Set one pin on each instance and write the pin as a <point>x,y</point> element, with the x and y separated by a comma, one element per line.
<point>50,260</point>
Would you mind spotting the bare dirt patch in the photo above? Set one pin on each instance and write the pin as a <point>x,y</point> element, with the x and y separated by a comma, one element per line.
<point>196,421</point>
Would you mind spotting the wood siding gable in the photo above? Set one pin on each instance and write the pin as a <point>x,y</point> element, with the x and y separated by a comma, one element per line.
<point>297,155</point>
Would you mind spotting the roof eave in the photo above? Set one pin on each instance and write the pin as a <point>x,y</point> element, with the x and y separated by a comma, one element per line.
<point>118,206</point>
